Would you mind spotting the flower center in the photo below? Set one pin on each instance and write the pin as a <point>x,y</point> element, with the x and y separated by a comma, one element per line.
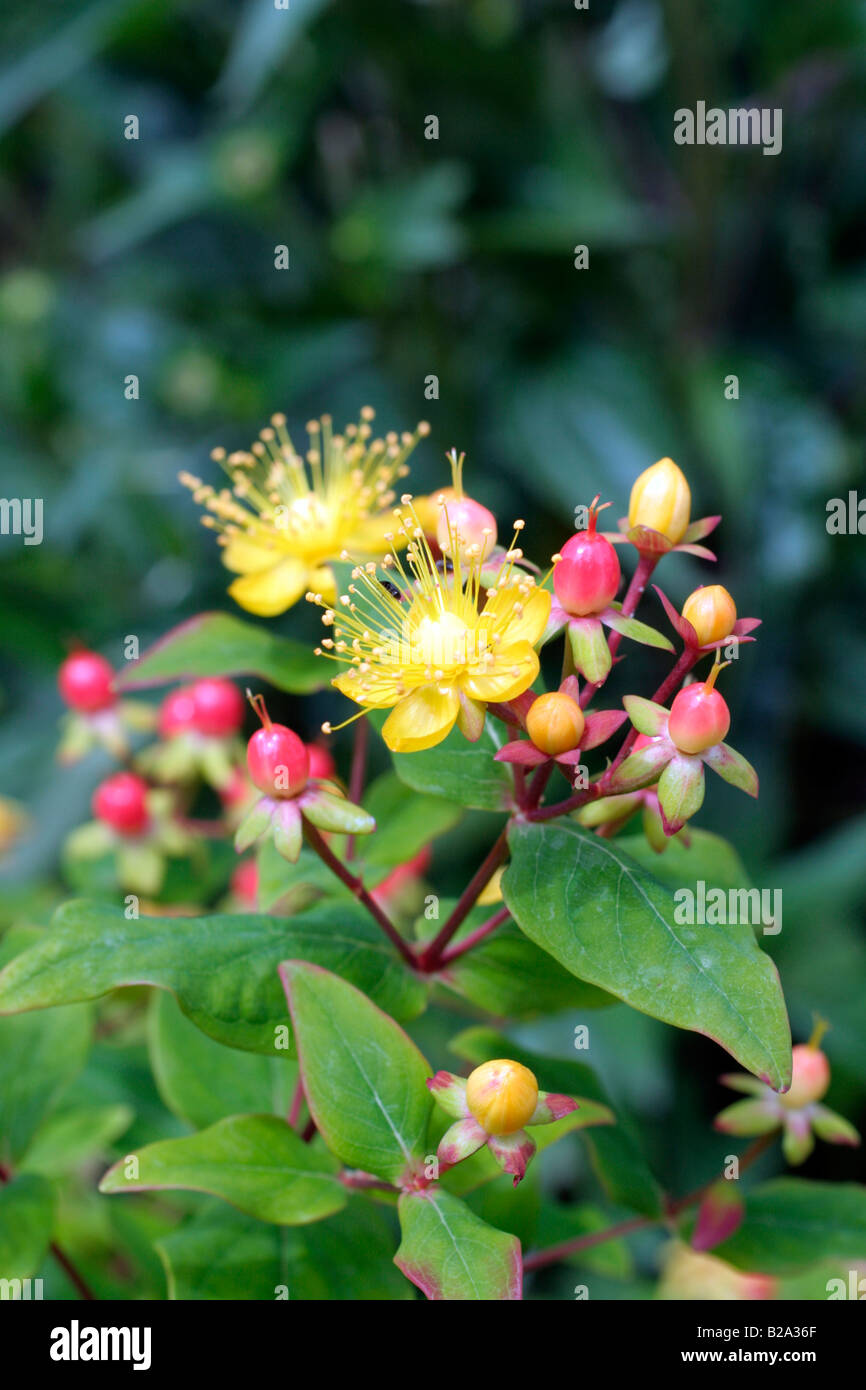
<point>444,642</point>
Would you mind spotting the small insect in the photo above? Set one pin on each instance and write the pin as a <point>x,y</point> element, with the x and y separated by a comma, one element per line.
<point>392,590</point>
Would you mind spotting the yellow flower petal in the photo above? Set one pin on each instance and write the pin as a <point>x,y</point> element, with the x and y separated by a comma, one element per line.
<point>513,672</point>
<point>272,591</point>
<point>322,582</point>
<point>368,537</point>
<point>527,626</point>
<point>421,720</point>
<point>385,693</point>
<point>244,556</point>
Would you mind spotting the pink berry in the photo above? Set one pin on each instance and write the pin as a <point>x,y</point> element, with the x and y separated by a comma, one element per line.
<point>465,524</point>
<point>699,718</point>
<point>219,707</point>
<point>810,1077</point>
<point>321,763</point>
<point>121,802</point>
<point>587,577</point>
<point>278,762</point>
<point>177,713</point>
<point>86,682</point>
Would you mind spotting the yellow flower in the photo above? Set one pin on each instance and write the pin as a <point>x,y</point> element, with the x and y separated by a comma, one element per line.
<point>285,518</point>
<point>427,644</point>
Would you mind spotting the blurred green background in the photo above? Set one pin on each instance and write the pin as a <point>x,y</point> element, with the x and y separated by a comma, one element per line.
<point>412,257</point>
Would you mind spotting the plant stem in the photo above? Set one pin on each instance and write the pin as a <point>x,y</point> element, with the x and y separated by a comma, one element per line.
<point>297,1101</point>
<point>431,957</point>
<point>356,887</point>
<point>541,1258</point>
<point>475,936</point>
<point>358,771</point>
<point>81,1285</point>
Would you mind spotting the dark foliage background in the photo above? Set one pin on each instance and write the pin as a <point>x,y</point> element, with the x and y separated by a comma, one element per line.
<point>454,257</point>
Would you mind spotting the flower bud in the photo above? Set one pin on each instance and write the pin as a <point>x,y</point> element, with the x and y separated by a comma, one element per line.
<point>809,1079</point>
<point>555,723</point>
<point>711,612</point>
<point>699,717</point>
<point>502,1096</point>
<point>660,499</point>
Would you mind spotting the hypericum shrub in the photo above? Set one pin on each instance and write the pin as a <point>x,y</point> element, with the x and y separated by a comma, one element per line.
<point>318,949</point>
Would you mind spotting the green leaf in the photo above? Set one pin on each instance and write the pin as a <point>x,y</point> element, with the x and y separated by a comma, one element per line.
<point>706,856</point>
<point>26,1221</point>
<point>405,821</point>
<point>450,1253</point>
<point>65,1141</point>
<point>256,1162</point>
<point>364,1079</point>
<point>609,922</point>
<point>617,1156</point>
<point>223,970</point>
<point>791,1223</point>
<point>221,1253</point>
<point>460,771</point>
<point>200,1080</point>
<point>219,644</point>
<point>39,1056</point>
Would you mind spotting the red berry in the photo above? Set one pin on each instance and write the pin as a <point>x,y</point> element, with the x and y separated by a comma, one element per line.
<point>121,802</point>
<point>278,761</point>
<point>86,682</point>
<point>321,763</point>
<point>177,712</point>
<point>587,577</point>
<point>810,1077</point>
<point>219,707</point>
<point>699,718</point>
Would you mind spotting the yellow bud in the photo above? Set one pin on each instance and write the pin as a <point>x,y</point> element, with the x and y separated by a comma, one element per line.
<point>711,612</point>
<point>555,723</point>
<point>660,499</point>
<point>502,1096</point>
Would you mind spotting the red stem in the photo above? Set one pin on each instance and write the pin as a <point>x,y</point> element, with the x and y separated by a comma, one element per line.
<point>541,1258</point>
<point>431,957</point>
<point>356,887</point>
<point>474,937</point>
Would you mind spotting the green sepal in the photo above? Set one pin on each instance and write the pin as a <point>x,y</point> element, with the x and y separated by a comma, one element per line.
<point>140,868</point>
<point>470,717</point>
<point>681,791</point>
<point>646,716</point>
<point>747,1118</point>
<point>733,767</point>
<point>329,812</point>
<point>833,1128</point>
<point>637,631</point>
<point>589,649</point>
<point>254,824</point>
<point>288,828</point>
